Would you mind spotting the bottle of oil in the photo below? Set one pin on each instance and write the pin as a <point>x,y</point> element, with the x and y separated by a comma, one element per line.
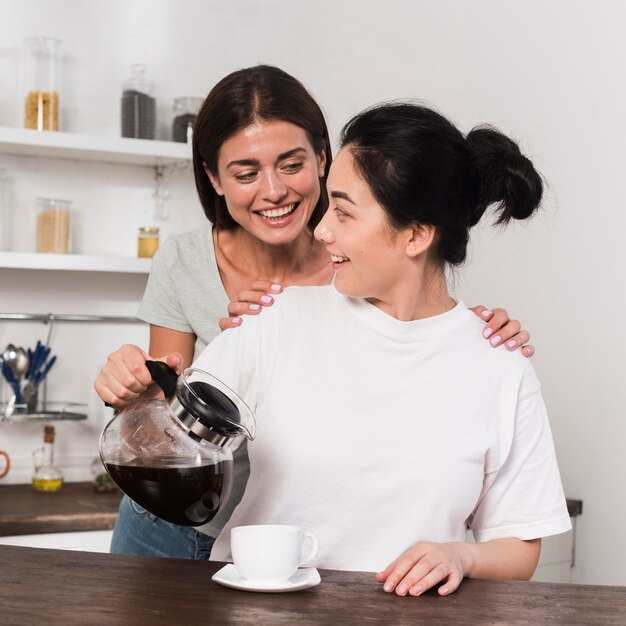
<point>47,477</point>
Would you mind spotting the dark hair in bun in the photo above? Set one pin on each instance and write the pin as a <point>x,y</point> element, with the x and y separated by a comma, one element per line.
<point>422,169</point>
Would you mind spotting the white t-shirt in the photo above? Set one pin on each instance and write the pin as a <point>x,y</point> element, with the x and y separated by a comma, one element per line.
<point>374,433</point>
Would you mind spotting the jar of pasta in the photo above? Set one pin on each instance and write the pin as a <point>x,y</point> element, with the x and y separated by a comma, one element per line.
<point>53,225</point>
<point>147,242</point>
<point>42,65</point>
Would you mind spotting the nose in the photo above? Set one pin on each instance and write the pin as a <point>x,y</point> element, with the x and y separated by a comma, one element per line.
<point>273,188</point>
<point>322,231</point>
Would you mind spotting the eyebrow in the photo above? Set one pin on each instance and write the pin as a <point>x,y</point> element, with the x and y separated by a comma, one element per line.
<point>281,156</point>
<point>342,195</point>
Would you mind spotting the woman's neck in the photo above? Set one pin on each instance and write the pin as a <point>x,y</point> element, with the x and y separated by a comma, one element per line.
<point>422,294</point>
<point>284,264</point>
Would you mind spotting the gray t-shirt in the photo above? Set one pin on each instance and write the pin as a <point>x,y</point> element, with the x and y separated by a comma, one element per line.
<point>185,293</point>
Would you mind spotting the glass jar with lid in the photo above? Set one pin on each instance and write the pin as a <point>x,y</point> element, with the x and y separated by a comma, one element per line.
<point>53,225</point>
<point>42,69</point>
<point>147,242</point>
<point>138,105</point>
<point>186,110</point>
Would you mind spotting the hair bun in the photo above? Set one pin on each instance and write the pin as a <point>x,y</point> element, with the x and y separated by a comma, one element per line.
<point>505,176</point>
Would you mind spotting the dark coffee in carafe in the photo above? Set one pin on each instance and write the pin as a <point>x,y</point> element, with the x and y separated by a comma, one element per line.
<point>175,489</point>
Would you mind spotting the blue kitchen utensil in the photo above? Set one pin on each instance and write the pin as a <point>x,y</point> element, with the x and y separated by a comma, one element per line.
<point>41,375</point>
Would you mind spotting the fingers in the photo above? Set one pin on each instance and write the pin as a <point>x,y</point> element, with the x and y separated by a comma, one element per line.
<point>500,330</point>
<point>174,360</point>
<point>250,302</point>
<point>124,376</point>
<point>230,322</point>
<point>423,566</point>
<point>266,286</point>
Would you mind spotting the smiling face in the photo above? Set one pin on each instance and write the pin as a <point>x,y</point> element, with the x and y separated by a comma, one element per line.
<point>269,176</point>
<point>369,257</point>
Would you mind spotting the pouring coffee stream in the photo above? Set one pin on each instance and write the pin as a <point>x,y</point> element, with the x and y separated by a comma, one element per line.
<point>175,459</point>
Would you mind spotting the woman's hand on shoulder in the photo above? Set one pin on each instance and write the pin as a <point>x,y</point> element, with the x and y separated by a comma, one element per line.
<point>250,302</point>
<point>125,377</point>
<point>502,331</point>
<point>424,565</point>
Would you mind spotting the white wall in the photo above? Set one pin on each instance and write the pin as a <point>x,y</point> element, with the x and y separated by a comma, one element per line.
<point>549,73</point>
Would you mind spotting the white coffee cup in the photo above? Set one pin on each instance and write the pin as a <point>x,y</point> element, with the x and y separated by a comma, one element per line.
<point>270,553</point>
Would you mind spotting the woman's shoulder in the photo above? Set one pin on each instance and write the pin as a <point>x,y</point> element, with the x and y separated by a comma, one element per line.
<point>186,247</point>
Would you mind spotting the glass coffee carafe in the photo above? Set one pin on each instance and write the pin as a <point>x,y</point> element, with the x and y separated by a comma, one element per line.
<point>175,459</point>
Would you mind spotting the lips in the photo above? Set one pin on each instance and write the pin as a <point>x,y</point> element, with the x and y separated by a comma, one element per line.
<point>339,259</point>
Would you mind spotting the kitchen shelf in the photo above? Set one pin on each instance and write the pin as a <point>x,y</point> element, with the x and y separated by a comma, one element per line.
<point>27,142</point>
<point>65,411</point>
<point>74,262</point>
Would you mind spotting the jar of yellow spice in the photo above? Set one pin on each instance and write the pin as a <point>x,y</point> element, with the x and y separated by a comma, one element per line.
<point>42,61</point>
<point>147,242</point>
<point>53,225</point>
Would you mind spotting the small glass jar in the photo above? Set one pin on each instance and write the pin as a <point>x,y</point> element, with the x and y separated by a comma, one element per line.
<point>42,65</point>
<point>54,225</point>
<point>186,110</point>
<point>138,105</point>
<point>5,213</point>
<point>147,242</point>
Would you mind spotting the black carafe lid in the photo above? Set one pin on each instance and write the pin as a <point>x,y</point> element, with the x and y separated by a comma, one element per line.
<point>201,401</point>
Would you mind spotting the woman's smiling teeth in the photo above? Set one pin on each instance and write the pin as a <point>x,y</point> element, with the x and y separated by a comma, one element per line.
<point>277,213</point>
<point>339,259</point>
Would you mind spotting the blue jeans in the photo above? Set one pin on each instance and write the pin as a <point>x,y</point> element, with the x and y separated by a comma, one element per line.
<point>137,531</point>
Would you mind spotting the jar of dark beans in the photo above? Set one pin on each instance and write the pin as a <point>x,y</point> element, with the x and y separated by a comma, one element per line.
<point>186,110</point>
<point>138,105</point>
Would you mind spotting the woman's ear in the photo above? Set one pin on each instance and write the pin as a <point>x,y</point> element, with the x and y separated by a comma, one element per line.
<point>215,181</point>
<point>321,163</point>
<point>421,237</point>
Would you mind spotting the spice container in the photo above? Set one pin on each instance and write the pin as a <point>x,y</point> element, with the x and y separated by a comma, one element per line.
<point>42,61</point>
<point>147,242</point>
<point>186,110</point>
<point>138,105</point>
<point>53,225</point>
<point>5,215</point>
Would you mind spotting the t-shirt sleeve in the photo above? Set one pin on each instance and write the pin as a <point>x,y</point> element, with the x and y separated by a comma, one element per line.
<point>523,497</point>
<point>161,301</point>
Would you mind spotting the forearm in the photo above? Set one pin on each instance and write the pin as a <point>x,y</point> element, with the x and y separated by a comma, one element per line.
<point>512,559</point>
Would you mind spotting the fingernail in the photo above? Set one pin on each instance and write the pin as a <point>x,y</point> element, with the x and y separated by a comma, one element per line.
<point>388,586</point>
<point>486,313</point>
<point>276,287</point>
<point>402,589</point>
<point>495,340</point>
<point>236,320</point>
<point>511,343</point>
<point>267,299</point>
<point>443,590</point>
<point>487,332</point>
<point>254,307</point>
<point>417,590</point>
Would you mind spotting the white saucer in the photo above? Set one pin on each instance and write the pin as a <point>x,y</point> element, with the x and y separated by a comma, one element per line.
<point>302,579</point>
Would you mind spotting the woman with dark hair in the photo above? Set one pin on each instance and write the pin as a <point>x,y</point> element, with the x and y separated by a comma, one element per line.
<point>385,425</point>
<point>261,156</point>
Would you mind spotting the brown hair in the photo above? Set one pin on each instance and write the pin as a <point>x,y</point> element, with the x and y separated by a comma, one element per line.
<point>261,92</point>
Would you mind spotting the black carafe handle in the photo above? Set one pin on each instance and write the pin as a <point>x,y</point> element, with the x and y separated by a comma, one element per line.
<point>164,376</point>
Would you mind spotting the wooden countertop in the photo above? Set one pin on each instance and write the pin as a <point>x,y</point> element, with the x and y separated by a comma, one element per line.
<point>76,507</point>
<point>68,588</point>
